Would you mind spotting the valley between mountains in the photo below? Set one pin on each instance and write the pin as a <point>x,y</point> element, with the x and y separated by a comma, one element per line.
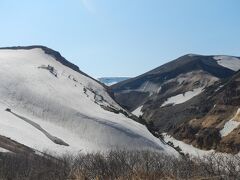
<point>189,105</point>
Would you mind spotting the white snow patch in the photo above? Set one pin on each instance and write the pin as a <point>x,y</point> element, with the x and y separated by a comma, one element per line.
<point>181,98</point>
<point>4,150</point>
<point>186,148</point>
<point>193,151</point>
<point>220,87</point>
<point>150,87</point>
<point>229,62</point>
<point>159,89</point>
<point>230,125</point>
<point>138,112</point>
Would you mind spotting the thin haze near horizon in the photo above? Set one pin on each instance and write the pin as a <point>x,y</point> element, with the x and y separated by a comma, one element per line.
<point>122,37</point>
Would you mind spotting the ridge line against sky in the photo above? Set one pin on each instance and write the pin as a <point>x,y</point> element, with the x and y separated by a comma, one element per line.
<point>123,38</point>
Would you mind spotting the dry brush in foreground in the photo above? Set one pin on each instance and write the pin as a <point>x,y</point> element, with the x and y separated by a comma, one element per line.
<point>119,165</point>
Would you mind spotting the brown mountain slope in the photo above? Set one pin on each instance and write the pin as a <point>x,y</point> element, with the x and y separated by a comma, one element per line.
<point>218,128</point>
<point>191,98</point>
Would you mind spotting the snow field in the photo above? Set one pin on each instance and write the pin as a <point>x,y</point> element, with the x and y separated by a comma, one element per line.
<point>66,105</point>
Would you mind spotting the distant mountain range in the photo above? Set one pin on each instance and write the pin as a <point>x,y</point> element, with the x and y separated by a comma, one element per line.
<point>112,80</point>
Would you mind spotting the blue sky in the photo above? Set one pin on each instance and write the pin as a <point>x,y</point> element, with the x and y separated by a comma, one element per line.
<point>122,37</point>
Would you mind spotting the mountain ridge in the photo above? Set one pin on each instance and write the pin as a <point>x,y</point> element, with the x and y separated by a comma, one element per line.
<point>168,97</point>
<point>51,52</point>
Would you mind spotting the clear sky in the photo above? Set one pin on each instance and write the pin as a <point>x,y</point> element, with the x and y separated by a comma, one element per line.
<point>122,37</point>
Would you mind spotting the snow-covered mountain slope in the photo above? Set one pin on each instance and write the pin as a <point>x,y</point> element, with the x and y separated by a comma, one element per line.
<point>47,105</point>
<point>112,80</point>
<point>229,62</point>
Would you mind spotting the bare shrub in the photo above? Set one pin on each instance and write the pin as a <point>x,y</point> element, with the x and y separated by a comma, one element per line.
<point>118,165</point>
